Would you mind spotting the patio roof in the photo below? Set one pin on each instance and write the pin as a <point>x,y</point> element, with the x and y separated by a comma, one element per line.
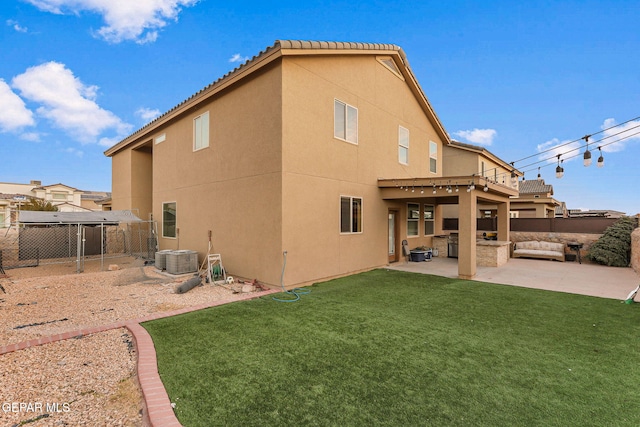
<point>391,188</point>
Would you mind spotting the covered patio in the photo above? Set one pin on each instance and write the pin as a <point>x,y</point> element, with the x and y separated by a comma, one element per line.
<point>469,192</point>
<point>570,277</point>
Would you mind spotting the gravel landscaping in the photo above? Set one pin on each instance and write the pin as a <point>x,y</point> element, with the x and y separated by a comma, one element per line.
<point>88,380</point>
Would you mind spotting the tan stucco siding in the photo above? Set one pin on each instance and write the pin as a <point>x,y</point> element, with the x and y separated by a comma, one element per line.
<point>384,103</point>
<point>121,180</point>
<point>319,169</point>
<point>233,187</point>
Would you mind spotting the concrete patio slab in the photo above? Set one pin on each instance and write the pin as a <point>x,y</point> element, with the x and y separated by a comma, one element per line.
<point>571,277</point>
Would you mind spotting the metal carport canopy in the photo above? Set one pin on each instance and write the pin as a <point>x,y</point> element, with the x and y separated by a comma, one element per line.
<point>87,218</point>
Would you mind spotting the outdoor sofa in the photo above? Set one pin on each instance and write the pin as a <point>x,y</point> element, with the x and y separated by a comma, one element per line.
<point>535,249</point>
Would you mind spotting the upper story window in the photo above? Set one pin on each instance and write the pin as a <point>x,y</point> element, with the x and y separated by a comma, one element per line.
<point>59,196</point>
<point>201,131</point>
<point>403,145</point>
<point>350,214</point>
<point>345,122</point>
<point>433,157</point>
<point>160,138</point>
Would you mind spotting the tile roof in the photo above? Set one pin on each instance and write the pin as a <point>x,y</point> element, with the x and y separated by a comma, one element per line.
<point>535,186</point>
<point>279,45</point>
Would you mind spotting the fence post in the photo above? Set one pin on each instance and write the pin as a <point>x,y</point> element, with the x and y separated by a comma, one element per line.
<point>80,249</point>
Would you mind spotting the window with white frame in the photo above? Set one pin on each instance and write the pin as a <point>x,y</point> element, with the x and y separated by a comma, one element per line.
<point>201,131</point>
<point>433,157</point>
<point>350,214</point>
<point>169,220</point>
<point>59,196</point>
<point>429,220</point>
<point>345,122</point>
<point>413,218</point>
<point>403,145</point>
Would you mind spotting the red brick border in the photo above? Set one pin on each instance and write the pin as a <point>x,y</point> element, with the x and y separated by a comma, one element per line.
<point>157,409</point>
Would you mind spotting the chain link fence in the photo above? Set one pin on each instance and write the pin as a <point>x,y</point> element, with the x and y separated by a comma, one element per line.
<point>33,244</point>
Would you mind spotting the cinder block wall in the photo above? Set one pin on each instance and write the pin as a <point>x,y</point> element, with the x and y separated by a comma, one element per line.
<point>635,250</point>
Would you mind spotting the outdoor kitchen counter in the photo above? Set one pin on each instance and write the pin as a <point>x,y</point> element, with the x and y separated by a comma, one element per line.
<point>492,253</point>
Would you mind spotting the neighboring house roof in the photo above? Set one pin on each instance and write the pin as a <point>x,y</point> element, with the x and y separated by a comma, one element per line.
<point>43,187</point>
<point>95,195</point>
<point>535,186</point>
<point>283,48</point>
<point>575,213</point>
<point>90,217</point>
<point>483,151</point>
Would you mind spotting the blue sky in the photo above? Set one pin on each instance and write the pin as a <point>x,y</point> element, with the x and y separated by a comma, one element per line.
<point>76,76</point>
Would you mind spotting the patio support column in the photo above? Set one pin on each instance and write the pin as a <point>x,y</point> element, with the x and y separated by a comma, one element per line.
<point>504,222</point>
<point>467,227</point>
<point>438,223</point>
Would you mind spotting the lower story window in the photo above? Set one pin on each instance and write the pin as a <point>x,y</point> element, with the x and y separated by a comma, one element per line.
<point>429,218</point>
<point>350,214</point>
<point>169,219</point>
<point>413,217</point>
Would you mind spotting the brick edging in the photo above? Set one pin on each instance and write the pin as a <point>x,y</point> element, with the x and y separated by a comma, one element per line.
<point>157,409</point>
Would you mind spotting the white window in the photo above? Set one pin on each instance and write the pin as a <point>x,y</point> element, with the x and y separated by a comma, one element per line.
<point>169,220</point>
<point>161,138</point>
<point>345,122</point>
<point>429,219</point>
<point>433,157</point>
<point>201,132</point>
<point>413,217</point>
<point>59,196</point>
<point>350,214</point>
<point>403,145</point>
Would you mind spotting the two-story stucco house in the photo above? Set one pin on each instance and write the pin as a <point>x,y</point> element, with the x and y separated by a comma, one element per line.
<point>328,151</point>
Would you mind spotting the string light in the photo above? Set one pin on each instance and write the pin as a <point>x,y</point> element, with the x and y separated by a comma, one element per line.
<point>600,159</point>
<point>587,153</point>
<point>559,169</point>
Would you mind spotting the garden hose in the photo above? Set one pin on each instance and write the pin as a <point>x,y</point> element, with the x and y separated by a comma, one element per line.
<point>296,292</point>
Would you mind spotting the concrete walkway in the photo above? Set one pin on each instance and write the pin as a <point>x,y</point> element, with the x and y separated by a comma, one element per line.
<point>584,279</point>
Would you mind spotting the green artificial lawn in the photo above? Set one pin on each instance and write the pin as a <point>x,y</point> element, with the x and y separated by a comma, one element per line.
<point>389,348</point>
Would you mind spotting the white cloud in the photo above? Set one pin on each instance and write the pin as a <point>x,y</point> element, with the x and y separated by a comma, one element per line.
<point>147,114</point>
<point>614,139</point>
<point>16,26</point>
<point>238,58</point>
<point>15,115</point>
<point>31,136</point>
<point>567,149</point>
<point>67,102</point>
<point>74,151</point>
<point>478,136</point>
<point>137,20</point>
